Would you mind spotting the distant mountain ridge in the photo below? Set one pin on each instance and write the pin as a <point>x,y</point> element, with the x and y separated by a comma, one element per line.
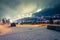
<point>28,19</point>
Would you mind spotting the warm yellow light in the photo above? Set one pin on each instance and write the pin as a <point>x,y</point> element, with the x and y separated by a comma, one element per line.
<point>21,11</point>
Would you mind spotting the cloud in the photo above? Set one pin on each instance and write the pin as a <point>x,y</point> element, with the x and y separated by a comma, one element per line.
<point>19,11</point>
<point>10,3</point>
<point>23,8</point>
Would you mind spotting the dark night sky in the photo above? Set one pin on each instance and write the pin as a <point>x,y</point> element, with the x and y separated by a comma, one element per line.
<point>23,8</point>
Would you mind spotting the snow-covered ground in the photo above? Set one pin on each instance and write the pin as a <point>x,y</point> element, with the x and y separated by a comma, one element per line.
<point>31,33</point>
